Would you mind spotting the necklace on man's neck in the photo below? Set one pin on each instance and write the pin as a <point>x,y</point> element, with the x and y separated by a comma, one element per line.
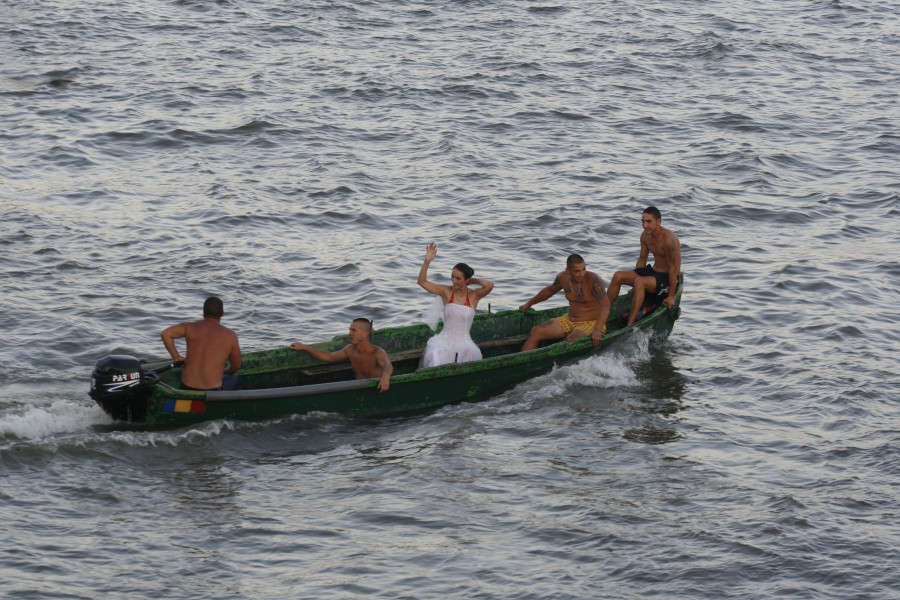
<point>580,292</point>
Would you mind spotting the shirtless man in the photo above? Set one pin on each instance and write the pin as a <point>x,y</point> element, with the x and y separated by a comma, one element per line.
<point>653,280</point>
<point>588,306</point>
<point>209,345</point>
<point>367,359</point>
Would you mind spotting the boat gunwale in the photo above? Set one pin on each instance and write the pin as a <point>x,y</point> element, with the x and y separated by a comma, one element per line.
<point>555,350</point>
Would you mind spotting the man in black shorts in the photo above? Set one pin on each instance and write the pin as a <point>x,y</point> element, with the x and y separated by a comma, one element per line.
<point>661,279</point>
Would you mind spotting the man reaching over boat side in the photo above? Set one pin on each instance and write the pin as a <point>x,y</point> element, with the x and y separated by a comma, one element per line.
<point>209,345</point>
<point>367,359</point>
<point>658,280</point>
<point>588,306</point>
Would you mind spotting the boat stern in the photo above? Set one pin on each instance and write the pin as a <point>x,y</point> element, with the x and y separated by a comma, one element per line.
<point>121,387</point>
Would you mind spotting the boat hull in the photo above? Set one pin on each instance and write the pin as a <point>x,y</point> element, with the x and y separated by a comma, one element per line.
<point>284,382</point>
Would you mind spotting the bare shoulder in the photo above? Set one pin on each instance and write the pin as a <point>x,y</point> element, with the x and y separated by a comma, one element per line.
<point>596,280</point>
<point>670,236</point>
<point>672,246</point>
<point>190,327</point>
<point>219,331</point>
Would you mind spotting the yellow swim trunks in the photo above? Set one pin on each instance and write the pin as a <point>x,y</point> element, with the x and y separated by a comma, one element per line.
<point>568,325</point>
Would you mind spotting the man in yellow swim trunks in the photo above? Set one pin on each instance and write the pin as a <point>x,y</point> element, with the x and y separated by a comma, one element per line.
<point>588,306</point>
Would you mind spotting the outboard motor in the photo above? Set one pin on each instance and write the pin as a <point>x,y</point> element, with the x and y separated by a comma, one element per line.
<point>121,388</point>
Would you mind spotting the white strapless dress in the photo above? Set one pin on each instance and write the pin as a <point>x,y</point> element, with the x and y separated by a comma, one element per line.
<point>453,343</point>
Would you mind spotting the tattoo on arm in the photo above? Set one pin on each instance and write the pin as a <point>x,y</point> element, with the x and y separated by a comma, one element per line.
<point>674,251</point>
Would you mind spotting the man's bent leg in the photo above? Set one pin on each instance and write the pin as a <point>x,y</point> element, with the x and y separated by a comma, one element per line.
<point>619,279</point>
<point>551,330</point>
<point>642,286</point>
<point>582,329</point>
<point>576,333</point>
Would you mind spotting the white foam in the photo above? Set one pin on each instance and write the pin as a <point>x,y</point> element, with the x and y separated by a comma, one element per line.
<point>62,416</point>
<point>607,370</point>
<point>174,438</point>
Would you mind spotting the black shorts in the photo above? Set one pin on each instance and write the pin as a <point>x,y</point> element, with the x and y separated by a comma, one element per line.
<point>662,279</point>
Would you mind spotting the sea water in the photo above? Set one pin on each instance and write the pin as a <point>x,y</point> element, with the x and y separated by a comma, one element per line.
<point>295,159</point>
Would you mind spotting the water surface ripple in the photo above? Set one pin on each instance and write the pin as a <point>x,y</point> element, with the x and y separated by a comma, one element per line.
<point>296,157</point>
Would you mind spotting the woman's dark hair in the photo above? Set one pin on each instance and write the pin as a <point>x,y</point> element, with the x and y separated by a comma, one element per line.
<point>465,269</point>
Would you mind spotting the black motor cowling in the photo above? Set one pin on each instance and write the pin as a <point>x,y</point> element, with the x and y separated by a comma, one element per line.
<point>120,387</point>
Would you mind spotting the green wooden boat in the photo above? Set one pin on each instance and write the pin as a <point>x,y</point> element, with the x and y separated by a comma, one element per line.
<point>284,382</point>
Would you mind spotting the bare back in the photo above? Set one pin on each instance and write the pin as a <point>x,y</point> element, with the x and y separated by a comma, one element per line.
<point>209,345</point>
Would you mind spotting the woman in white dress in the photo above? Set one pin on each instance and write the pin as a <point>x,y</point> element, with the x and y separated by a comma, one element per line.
<point>453,343</point>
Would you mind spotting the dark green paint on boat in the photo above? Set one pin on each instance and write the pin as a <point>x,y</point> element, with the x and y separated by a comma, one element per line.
<point>283,382</point>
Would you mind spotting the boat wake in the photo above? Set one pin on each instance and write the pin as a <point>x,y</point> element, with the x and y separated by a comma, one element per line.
<point>60,417</point>
<point>607,370</point>
<point>66,425</point>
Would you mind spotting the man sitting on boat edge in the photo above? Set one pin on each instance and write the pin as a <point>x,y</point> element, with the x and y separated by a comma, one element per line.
<point>367,359</point>
<point>651,285</point>
<point>588,306</point>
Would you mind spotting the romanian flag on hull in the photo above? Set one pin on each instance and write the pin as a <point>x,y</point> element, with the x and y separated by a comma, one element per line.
<point>173,405</point>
